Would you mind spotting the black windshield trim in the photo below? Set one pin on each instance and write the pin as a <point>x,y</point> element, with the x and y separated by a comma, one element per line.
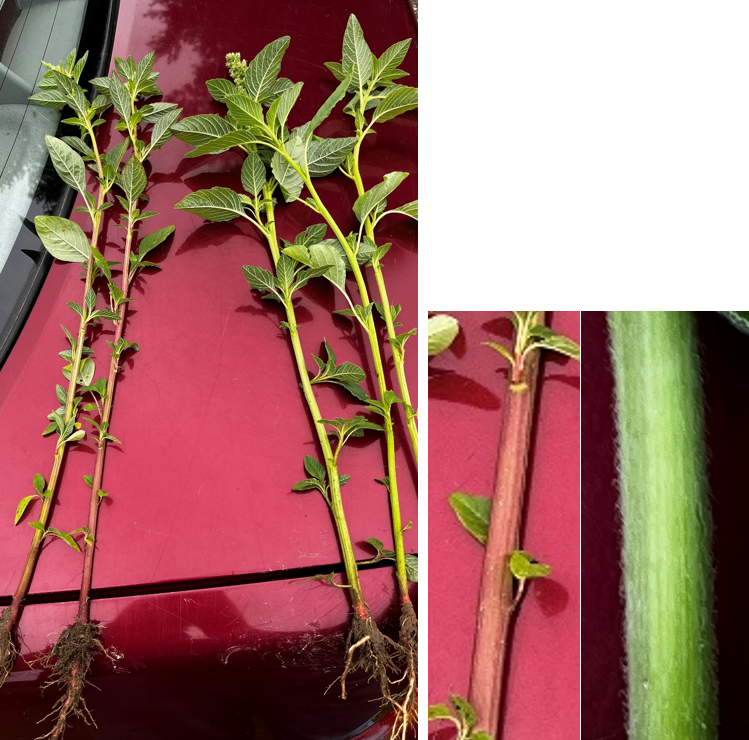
<point>100,16</point>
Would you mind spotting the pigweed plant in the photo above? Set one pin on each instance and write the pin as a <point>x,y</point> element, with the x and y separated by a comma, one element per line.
<point>496,522</point>
<point>279,160</point>
<point>667,573</point>
<point>71,656</point>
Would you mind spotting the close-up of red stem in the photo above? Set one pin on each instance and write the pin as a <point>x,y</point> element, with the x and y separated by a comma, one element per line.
<point>497,602</point>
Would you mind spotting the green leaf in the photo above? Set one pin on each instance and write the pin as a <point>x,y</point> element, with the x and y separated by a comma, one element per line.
<point>220,89</point>
<point>325,155</point>
<point>259,279</point>
<point>284,273</point>
<point>439,711</point>
<point>400,340</point>
<point>305,276</point>
<point>89,480</point>
<point>327,107</point>
<point>85,371</point>
<point>246,111</point>
<point>357,57</point>
<point>76,436</point>
<point>62,394</point>
<point>330,372</point>
<point>385,68</point>
<point>68,163</point>
<point>442,331</point>
<point>314,468</point>
<point>279,111</point>
<point>367,202</point>
<point>50,99</point>
<point>473,512</point>
<point>298,253</point>
<point>65,537</point>
<point>62,238</point>
<point>21,508</point>
<point>522,565</point>
<point>39,483</point>
<point>465,711</point>
<point>288,178</point>
<point>308,484</point>
<point>253,174</point>
<point>203,128</point>
<point>37,525</point>
<point>263,70</point>
<point>311,235</point>
<point>162,131</point>
<point>215,204</point>
<point>133,180</point>
<point>154,111</point>
<point>544,338</point>
<point>223,143</point>
<point>480,735</point>
<point>396,100</point>
<point>412,567</point>
<point>151,241</point>
<point>101,494</point>
<point>502,350</point>
<point>409,209</point>
<point>120,96</point>
<point>321,255</point>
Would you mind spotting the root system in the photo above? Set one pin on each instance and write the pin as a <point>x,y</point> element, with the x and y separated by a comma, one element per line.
<point>368,650</point>
<point>8,651</point>
<point>406,701</point>
<point>70,660</point>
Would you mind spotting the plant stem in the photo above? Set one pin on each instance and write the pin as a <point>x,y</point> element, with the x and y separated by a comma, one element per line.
<point>398,353</point>
<point>84,609</point>
<point>496,600</point>
<point>666,526</point>
<point>336,502</point>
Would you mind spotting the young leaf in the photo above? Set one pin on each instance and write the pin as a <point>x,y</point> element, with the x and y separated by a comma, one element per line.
<point>288,178</point>
<point>21,508</point>
<point>246,112</point>
<point>263,70</point>
<point>120,96</point>
<point>220,89</point>
<point>223,143</point>
<point>523,565</point>
<point>473,512</point>
<point>65,537</point>
<point>279,111</point>
<point>314,468</point>
<point>439,711</point>
<point>385,68</point>
<point>368,201</point>
<point>215,204</point>
<point>357,57</point>
<point>308,484</point>
<point>68,163</point>
<point>253,174</point>
<point>39,483</point>
<point>502,350</point>
<point>162,131</point>
<point>62,238</point>
<point>327,107</point>
<point>544,338</point>
<point>465,711</point>
<point>133,180</point>
<point>442,331</point>
<point>88,480</point>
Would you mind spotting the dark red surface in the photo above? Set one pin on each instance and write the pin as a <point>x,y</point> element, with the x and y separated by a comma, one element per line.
<point>725,358</point>
<point>466,390</point>
<point>210,415</point>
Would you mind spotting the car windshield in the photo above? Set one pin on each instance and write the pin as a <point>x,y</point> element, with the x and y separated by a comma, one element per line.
<point>30,31</point>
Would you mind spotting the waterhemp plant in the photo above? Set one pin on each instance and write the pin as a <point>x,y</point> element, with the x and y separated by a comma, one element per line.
<point>280,161</point>
<point>496,523</point>
<point>77,645</point>
<point>667,572</point>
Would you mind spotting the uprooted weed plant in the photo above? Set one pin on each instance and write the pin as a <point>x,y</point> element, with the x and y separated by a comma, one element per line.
<point>70,658</point>
<point>279,160</point>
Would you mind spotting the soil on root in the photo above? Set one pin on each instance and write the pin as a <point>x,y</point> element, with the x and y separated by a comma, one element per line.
<point>8,650</point>
<point>368,650</point>
<point>70,660</point>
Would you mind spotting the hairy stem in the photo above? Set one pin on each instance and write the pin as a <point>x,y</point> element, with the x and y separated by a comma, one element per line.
<point>666,526</point>
<point>496,600</point>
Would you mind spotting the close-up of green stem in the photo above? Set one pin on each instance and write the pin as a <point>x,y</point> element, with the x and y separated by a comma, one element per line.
<point>666,522</point>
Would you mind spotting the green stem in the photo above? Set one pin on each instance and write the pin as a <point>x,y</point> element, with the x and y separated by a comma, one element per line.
<point>335,501</point>
<point>666,526</point>
<point>398,354</point>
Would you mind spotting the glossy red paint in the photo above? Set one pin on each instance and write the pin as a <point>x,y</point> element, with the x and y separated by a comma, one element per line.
<point>466,388</point>
<point>210,415</point>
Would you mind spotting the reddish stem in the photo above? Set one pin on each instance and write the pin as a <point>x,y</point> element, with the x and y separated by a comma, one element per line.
<point>84,608</point>
<point>497,601</point>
